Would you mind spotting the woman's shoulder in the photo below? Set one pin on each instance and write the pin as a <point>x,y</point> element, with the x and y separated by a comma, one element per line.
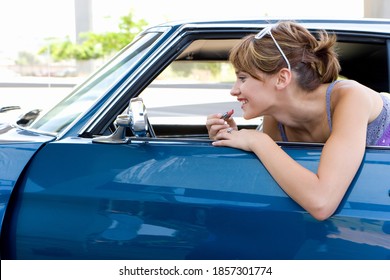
<point>351,90</point>
<point>352,96</point>
<point>345,84</point>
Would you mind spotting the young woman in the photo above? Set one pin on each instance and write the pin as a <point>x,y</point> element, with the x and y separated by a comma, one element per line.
<point>289,77</point>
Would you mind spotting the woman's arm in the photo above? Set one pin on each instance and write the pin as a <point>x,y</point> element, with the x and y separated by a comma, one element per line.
<point>319,193</point>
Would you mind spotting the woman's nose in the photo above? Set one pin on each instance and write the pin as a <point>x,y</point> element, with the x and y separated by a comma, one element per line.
<point>234,91</point>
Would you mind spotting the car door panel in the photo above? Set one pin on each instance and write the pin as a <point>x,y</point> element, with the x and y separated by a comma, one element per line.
<point>179,199</point>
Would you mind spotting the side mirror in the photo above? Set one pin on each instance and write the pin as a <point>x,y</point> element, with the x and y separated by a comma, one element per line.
<point>136,119</point>
<point>138,116</point>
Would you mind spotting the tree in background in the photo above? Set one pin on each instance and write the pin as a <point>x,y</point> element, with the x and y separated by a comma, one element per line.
<point>96,45</point>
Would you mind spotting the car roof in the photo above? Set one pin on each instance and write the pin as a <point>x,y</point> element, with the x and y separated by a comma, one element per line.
<point>358,25</point>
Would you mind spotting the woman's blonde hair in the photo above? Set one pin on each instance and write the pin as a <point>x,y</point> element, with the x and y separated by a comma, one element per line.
<point>313,61</point>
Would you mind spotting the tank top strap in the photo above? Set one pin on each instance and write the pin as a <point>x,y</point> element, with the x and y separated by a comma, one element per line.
<point>282,132</point>
<point>328,95</point>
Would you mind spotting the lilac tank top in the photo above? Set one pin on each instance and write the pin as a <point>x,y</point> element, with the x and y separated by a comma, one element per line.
<point>378,131</point>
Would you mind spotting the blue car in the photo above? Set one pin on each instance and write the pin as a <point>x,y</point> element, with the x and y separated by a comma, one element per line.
<point>123,168</point>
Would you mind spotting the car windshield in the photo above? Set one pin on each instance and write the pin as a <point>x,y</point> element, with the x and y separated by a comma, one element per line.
<point>64,113</point>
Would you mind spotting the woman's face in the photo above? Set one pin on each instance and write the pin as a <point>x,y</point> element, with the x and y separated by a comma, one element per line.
<point>255,96</point>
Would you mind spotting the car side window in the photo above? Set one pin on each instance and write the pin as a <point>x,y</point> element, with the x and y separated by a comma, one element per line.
<point>198,82</point>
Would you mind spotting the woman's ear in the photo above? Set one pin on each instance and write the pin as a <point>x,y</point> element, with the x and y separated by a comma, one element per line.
<point>284,78</point>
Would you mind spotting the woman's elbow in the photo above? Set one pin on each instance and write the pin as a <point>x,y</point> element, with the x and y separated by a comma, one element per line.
<point>320,216</point>
<point>322,212</point>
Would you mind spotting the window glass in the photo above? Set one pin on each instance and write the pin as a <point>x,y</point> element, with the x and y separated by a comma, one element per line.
<point>64,113</point>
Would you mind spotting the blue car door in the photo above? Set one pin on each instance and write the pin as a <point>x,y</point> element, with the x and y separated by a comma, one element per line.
<point>184,199</point>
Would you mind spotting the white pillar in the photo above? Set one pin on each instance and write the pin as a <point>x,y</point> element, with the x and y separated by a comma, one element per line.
<point>83,18</point>
<point>377,8</point>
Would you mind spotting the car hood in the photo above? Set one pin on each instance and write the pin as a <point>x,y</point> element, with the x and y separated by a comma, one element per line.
<point>17,147</point>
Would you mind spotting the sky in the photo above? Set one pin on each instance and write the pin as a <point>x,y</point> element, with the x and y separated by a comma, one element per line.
<point>24,24</point>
